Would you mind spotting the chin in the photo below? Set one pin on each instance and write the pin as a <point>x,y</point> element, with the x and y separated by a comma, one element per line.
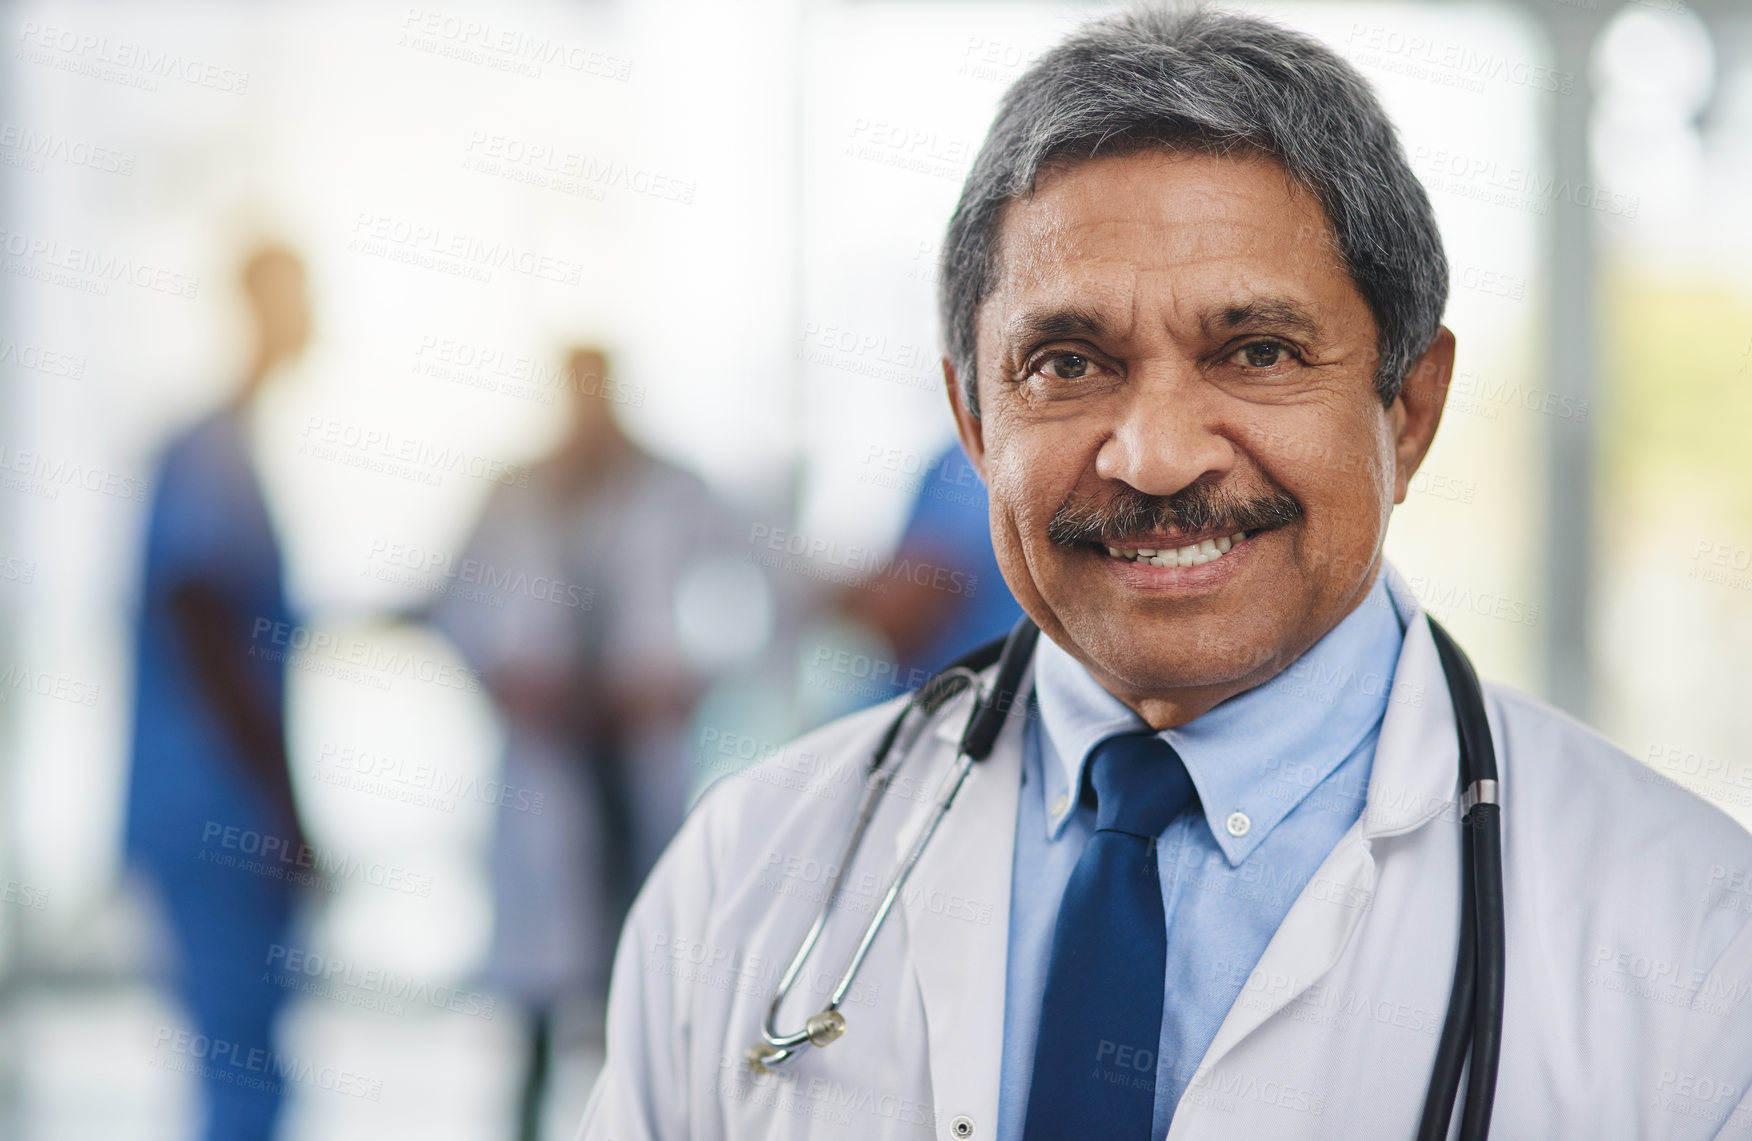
<point>1161,654</point>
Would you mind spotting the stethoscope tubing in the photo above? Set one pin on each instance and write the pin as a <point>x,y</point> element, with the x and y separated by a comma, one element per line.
<point>828,1024</point>
<point>1472,1029</point>
<point>1474,1024</point>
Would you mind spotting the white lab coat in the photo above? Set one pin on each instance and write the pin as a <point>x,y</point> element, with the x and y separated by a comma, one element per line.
<point>1628,943</point>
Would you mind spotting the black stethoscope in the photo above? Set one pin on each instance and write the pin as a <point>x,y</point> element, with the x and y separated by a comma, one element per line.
<point>1474,1022</point>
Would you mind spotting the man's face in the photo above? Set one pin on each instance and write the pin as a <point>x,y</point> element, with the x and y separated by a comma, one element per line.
<point>1172,354</point>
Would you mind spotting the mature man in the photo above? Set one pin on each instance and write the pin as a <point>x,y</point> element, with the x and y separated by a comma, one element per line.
<point>1209,885</point>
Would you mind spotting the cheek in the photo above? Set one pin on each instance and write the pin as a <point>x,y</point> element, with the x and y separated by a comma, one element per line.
<point>1018,518</point>
<point>1342,473</point>
<point>1029,473</point>
<point>1378,465</point>
<point>1009,485</point>
<point>1005,485</point>
<point>1367,507</point>
<point>1018,474</point>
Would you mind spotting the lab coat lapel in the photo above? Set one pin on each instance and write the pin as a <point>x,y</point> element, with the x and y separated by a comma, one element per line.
<point>1412,781</point>
<point>957,918</point>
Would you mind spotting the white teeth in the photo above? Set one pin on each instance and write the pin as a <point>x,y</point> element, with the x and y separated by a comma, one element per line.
<point>1192,555</point>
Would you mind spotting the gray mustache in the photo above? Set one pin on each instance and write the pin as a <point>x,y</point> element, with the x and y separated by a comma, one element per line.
<point>1196,507</point>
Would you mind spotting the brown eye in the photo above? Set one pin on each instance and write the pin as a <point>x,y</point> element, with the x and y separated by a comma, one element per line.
<point>1262,354</point>
<point>1066,366</point>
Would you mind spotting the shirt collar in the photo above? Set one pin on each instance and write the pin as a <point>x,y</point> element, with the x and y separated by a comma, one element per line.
<point>1260,752</point>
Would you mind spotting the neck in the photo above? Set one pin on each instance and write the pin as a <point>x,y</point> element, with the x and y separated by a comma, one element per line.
<point>588,461</point>
<point>1171,713</point>
<point>261,362</point>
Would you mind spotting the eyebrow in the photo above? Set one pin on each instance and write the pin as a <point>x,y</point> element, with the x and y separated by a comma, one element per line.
<point>1056,324</point>
<point>1267,312</point>
<point>1066,322</point>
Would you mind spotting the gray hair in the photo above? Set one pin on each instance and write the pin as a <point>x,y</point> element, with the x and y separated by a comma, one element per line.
<point>1213,82</point>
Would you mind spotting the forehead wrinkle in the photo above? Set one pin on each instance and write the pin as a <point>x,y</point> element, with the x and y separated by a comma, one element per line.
<point>1069,306</point>
<point>1047,288</point>
<point>1147,262</point>
<point>1052,254</point>
<point>1044,239</point>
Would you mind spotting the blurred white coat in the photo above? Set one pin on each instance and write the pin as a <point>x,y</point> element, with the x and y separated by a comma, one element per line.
<point>581,583</point>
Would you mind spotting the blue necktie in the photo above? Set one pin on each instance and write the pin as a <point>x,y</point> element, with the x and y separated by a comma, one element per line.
<point>1101,1017</point>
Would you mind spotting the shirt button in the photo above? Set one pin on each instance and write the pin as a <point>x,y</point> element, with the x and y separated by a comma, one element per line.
<point>1238,824</point>
<point>963,1126</point>
<point>1060,803</point>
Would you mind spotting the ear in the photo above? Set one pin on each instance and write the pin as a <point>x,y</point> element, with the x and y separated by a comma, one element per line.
<point>967,426</point>
<point>1417,410</point>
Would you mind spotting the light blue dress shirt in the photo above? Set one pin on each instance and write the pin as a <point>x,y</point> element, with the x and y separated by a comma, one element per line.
<point>1282,772</point>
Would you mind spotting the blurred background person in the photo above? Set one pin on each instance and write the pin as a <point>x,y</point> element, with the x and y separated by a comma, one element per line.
<point>209,743</point>
<point>595,690</point>
<point>941,593</point>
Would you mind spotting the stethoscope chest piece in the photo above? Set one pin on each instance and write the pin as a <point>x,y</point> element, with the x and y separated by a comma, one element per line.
<point>1472,1031</point>
<point>990,710</point>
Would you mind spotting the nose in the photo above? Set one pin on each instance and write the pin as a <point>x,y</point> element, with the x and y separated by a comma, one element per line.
<point>1166,433</point>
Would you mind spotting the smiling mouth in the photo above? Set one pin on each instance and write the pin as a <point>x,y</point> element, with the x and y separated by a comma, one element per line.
<point>1177,550</point>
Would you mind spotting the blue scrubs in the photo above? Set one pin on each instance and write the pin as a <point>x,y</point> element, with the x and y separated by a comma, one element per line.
<point>209,522</point>
<point>951,521</point>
